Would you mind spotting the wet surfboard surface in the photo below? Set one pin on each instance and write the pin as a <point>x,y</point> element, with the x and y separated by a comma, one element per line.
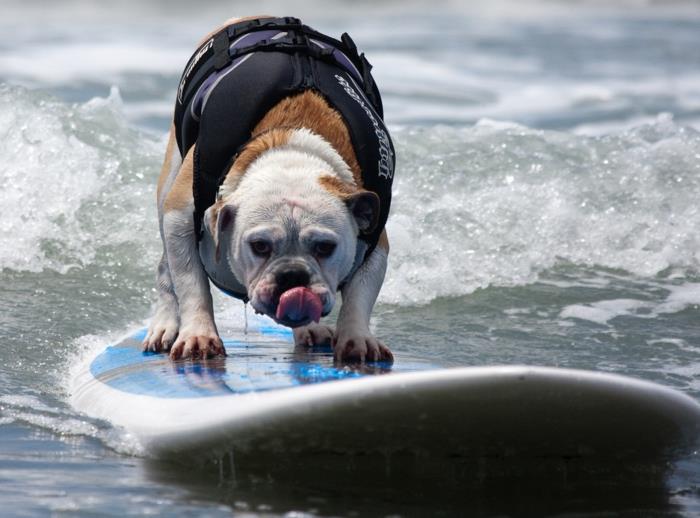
<point>269,398</point>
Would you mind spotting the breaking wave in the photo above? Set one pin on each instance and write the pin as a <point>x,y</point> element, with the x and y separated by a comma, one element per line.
<point>77,181</point>
<point>495,204</point>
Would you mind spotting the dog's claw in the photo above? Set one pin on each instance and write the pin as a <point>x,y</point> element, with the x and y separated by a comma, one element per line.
<point>360,348</point>
<point>161,334</point>
<point>198,346</point>
<point>313,334</point>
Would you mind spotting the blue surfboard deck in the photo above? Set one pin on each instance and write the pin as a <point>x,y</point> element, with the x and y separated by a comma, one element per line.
<point>258,362</point>
<point>268,398</point>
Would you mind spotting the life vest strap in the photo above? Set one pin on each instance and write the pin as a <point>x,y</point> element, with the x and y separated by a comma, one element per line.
<point>219,52</point>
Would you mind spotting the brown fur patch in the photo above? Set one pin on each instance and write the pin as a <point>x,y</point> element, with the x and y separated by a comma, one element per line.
<point>336,186</point>
<point>214,226</point>
<point>274,138</point>
<point>305,110</point>
<point>180,194</point>
<point>309,110</point>
<point>383,242</point>
<point>165,169</point>
<point>271,139</point>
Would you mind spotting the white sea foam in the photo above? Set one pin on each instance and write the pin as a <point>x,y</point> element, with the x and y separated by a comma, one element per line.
<point>679,298</point>
<point>679,343</point>
<point>497,205</point>
<point>603,311</point>
<point>63,422</point>
<point>84,350</point>
<point>74,177</point>
<point>46,173</point>
<point>493,204</point>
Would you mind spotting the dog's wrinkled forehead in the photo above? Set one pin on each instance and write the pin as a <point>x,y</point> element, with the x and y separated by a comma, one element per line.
<point>292,217</point>
<point>295,207</point>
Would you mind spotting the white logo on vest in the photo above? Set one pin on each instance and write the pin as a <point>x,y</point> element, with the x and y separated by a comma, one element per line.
<point>386,158</point>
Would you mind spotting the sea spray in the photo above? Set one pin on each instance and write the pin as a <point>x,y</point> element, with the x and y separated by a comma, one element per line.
<point>75,181</point>
<point>494,204</point>
<point>497,204</point>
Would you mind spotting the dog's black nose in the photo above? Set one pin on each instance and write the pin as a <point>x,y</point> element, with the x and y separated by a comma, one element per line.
<point>288,279</point>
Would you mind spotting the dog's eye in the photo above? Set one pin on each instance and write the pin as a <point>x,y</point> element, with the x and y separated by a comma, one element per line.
<point>324,249</point>
<point>261,248</point>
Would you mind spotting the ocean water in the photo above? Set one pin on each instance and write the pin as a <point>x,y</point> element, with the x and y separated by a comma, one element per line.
<point>545,212</point>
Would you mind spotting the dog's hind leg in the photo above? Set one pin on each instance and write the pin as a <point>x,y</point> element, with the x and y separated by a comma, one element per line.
<point>165,322</point>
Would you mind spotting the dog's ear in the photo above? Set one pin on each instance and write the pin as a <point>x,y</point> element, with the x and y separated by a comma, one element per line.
<point>224,223</point>
<point>364,207</point>
<point>227,214</point>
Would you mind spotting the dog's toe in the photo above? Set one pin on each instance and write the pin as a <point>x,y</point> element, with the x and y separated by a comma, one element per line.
<point>361,348</point>
<point>197,347</point>
<point>313,334</point>
<point>152,341</point>
<point>160,336</point>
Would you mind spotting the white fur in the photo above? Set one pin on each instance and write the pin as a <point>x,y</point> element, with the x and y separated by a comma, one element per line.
<point>359,296</point>
<point>280,199</point>
<point>166,321</point>
<point>189,279</point>
<point>283,169</point>
<point>305,150</point>
<point>313,144</point>
<point>362,290</point>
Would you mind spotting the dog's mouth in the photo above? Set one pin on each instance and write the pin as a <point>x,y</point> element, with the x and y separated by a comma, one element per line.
<point>291,306</point>
<point>298,306</point>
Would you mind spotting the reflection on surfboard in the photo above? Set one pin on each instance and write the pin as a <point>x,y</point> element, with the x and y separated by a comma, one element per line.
<point>253,373</point>
<point>257,362</point>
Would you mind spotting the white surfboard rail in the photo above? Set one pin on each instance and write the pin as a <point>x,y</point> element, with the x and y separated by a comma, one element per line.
<point>524,411</point>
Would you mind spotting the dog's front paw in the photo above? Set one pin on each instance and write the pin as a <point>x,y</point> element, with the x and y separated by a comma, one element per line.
<point>161,333</point>
<point>313,334</point>
<point>353,346</point>
<point>197,345</point>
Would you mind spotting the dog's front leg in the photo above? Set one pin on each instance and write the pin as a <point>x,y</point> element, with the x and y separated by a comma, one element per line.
<point>198,336</point>
<point>353,340</point>
<point>165,323</point>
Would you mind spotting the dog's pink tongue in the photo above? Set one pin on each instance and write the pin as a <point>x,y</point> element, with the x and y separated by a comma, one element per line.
<point>299,304</point>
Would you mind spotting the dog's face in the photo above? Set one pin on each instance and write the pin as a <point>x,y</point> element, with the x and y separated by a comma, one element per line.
<point>291,241</point>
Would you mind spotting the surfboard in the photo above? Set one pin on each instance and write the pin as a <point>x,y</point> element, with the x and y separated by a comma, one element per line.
<point>268,399</point>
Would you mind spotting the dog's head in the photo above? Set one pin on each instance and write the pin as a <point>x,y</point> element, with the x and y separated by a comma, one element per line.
<point>290,237</point>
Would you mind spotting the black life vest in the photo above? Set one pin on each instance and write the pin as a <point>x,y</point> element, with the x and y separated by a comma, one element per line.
<point>244,70</point>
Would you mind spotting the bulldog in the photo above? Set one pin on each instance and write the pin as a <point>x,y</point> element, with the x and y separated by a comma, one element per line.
<point>275,187</point>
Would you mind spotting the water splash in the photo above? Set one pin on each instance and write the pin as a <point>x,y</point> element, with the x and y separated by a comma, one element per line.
<point>495,204</point>
<point>498,203</point>
<point>74,180</point>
